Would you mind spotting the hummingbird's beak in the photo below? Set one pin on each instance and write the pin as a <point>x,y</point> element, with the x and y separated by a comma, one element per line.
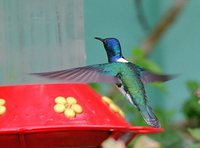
<point>100,39</point>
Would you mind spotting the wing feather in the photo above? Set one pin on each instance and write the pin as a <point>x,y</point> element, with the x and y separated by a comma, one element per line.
<point>147,76</point>
<point>86,74</point>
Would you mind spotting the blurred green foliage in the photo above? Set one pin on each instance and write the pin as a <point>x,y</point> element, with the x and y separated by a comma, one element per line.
<point>191,107</point>
<point>138,58</point>
<point>195,133</point>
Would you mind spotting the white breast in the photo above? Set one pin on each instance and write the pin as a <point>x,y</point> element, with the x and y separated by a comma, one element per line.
<point>127,96</point>
<point>122,60</point>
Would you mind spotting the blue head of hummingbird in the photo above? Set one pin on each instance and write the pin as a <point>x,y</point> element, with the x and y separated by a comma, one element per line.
<point>113,49</point>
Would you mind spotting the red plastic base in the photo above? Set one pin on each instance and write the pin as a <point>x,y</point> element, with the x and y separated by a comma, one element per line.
<point>30,120</point>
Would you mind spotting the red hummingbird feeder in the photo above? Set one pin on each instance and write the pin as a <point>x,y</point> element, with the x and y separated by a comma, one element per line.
<point>60,115</point>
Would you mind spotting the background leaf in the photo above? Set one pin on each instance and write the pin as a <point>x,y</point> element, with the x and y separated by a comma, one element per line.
<point>195,133</point>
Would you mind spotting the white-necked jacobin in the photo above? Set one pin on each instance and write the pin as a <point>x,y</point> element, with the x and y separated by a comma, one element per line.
<point>128,77</point>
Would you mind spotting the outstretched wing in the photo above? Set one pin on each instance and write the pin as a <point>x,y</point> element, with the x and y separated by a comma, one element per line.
<point>86,74</point>
<point>147,76</point>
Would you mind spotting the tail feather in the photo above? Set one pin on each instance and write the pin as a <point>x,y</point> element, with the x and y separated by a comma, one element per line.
<point>149,117</point>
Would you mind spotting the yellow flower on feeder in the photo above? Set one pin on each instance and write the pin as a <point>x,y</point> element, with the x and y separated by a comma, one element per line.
<point>68,106</point>
<point>2,106</point>
<point>113,106</point>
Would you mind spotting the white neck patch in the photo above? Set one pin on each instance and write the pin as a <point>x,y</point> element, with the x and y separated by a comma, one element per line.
<point>122,60</point>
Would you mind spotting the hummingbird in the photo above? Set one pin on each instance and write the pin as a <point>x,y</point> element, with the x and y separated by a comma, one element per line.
<point>128,77</point>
